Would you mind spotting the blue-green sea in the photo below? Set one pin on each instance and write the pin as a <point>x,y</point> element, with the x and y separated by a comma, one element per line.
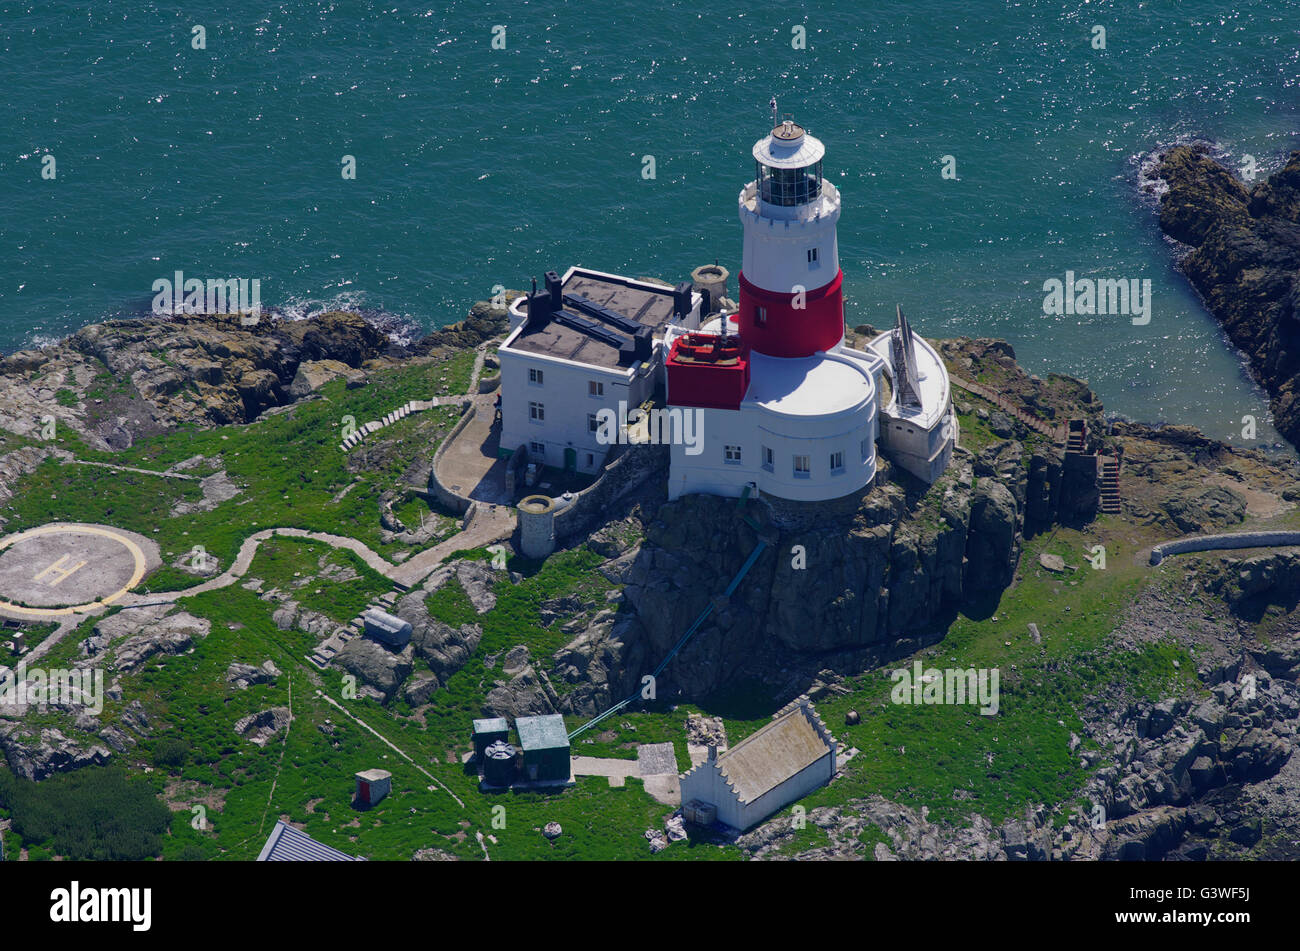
<point>478,166</point>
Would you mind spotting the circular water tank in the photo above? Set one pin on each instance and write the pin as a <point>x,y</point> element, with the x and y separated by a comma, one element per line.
<point>499,764</point>
<point>536,526</point>
<point>711,278</point>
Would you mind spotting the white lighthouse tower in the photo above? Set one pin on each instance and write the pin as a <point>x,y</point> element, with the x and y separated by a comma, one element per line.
<point>786,408</point>
<point>790,282</point>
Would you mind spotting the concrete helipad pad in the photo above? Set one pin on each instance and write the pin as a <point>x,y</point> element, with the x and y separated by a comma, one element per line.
<point>64,568</point>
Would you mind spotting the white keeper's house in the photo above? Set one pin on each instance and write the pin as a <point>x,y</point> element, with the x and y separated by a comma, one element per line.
<point>785,407</point>
<point>585,342</point>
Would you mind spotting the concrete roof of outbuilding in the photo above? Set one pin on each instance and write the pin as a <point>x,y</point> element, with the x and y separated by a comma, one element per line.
<point>764,760</point>
<point>542,733</point>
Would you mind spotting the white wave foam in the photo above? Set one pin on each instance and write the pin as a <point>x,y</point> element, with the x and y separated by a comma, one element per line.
<point>401,329</point>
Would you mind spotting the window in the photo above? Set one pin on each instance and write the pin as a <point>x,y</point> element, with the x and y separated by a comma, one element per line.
<point>866,450</point>
<point>731,454</point>
<point>537,450</point>
<point>536,412</point>
<point>595,388</point>
<point>788,186</point>
<point>535,375</point>
<point>812,255</point>
<point>837,463</point>
<point>591,461</point>
<point>769,458</point>
<point>802,467</point>
<point>760,315</point>
<point>593,424</point>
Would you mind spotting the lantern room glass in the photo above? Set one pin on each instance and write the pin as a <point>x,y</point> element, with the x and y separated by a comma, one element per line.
<point>789,186</point>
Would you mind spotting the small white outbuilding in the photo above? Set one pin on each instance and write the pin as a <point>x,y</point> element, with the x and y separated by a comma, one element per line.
<point>784,761</point>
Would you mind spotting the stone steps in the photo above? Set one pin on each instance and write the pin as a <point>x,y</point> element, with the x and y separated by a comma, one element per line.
<point>403,411</point>
<point>1109,484</point>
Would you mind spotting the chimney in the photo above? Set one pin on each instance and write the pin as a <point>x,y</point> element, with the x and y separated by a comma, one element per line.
<point>555,289</point>
<point>713,752</point>
<point>682,299</point>
<point>645,343</point>
<point>539,308</point>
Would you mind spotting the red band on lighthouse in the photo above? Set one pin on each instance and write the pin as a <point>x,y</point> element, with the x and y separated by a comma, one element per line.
<point>771,324</point>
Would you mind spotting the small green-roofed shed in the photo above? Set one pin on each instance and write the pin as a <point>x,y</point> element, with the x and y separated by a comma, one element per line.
<point>545,744</point>
<point>488,731</point>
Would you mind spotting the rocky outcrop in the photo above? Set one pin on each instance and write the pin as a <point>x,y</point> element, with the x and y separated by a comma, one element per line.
<point>526,693</point>
<point>181,369</point>
<point>138,635</point>
<point>475,578</point>
<point>1198,511</point>
<point>35,754</point>
<point>259,728</point>
<point>603,664</point>
<point>374,664</point>
<point>485,321</point>
<point>313,374</point>
<point>1251,585</point>
<point>1177,778</point>
<point>859,579</point>
<point>1244,261</point>
<point>443,647</point>
<point>242,676</point>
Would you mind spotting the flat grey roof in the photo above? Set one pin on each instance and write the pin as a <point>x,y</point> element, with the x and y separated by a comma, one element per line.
<point>542,733</point>
<point>654,308</point>
<point>492,725</point>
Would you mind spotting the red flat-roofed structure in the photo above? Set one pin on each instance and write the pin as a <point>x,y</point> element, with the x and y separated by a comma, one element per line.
<point>708,370</point>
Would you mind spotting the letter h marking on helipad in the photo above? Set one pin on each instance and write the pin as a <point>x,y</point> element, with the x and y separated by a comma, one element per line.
<point>59,571</point>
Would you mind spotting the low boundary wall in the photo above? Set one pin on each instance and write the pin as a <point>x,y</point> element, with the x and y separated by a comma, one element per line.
<point>1220,542</point>
<point>456,503</point>
<point>634,465</point>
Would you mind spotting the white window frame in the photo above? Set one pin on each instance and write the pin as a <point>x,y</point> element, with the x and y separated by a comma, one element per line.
<point>536,412</point>
<point>535,376</point>
<point>769,459</point>
<point>596,389</point>
<point>806,471</point>
<point>837,469</point>
<point>760,316</point>
<point>593,423</point>
<point>731,455</point>
<point>537,450</point>
<point>813,257</point>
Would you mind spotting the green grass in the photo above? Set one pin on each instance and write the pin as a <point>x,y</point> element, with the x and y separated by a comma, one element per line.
<point>289,469</point>
<point>287,563</point>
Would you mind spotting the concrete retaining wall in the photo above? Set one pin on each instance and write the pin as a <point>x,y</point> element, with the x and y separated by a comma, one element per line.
<point>633,466</point>
<point>1225,541</point>
<point>455,503</point>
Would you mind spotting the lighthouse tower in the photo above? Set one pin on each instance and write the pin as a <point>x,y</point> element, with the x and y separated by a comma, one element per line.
<point>782,406</point>
<point>791,303</point>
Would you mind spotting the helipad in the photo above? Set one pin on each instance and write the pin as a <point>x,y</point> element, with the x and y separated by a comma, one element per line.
<point>65,568</point>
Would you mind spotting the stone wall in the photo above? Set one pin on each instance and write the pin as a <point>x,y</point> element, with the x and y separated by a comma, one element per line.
<point>1218,542</point>
<point>456,503</point>
<point>629,470</point>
